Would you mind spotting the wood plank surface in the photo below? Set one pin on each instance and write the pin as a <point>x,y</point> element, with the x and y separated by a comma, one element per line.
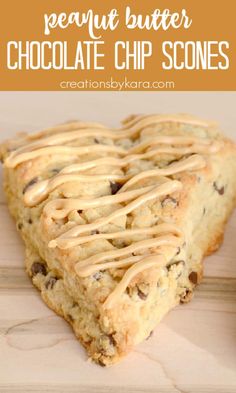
<point>192,350</point>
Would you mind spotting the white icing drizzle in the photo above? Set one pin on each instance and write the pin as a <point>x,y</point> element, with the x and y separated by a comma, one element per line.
<point>160,241</point>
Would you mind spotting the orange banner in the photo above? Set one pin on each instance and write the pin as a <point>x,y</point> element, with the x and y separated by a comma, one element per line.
<point>118,45</point>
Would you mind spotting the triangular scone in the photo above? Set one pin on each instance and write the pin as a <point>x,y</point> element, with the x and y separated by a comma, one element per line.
<point>116,222</point>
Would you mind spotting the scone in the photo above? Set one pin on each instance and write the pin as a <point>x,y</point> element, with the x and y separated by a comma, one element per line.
<point>116,222</point>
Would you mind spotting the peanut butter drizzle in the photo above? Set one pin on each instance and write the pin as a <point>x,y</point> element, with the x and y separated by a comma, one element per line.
<point>155,119</point>
<point>161,241</point>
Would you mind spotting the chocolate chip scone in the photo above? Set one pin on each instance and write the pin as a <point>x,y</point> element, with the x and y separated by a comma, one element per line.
<point>116,222</point>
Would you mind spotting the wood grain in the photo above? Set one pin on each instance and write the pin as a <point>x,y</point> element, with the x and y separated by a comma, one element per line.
<point>192,350</point>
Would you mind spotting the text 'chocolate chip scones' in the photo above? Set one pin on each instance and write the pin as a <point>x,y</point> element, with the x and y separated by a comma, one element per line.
<point>116,221</point>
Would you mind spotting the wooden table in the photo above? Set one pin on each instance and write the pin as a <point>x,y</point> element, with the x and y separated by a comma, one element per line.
<point>192,350</point>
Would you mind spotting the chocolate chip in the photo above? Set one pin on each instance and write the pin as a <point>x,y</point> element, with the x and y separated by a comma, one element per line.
<point>33,181</point>
<point>38,267</point>
<point>20,226</point>
<point>172,162</point>
<point>178,251</point>
<point>141,295</point>
<point>131,290</point>
<point>71,319</point>
<point>193,277</point>
<point>220,190</point>
<point>169,201</point>
<point>80,211</point>
<point>100,362</point>
<point>97,276</point>
<point>55,170</point>
<point>150,335</point>
<point>111,340</point>
<point>95,232</point>
<point>50,283</point>
<point>30,221</point>
<point>199,179</point>
<point>115,187</point>
<point>96,140</point>
<point>186,296</point>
